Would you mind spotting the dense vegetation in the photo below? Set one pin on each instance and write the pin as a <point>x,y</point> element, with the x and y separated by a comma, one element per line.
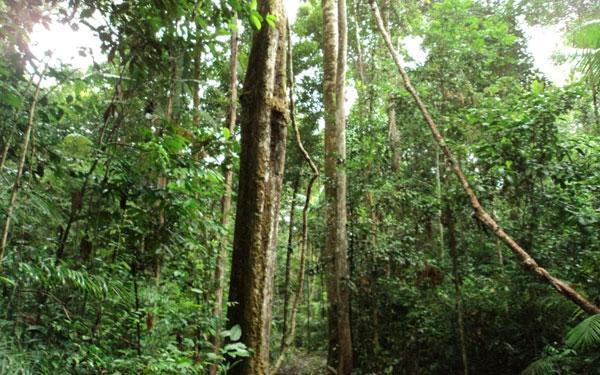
<point>117,182</point>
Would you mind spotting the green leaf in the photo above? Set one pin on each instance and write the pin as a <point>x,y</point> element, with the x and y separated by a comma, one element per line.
<point>235,333</point>
<point>271,19</point>
<point>256,19</point>
<point>537,87</point>
<point>226,133</point>
<point>7,281</point>
<point>543,366</point>
<point>11,99</point>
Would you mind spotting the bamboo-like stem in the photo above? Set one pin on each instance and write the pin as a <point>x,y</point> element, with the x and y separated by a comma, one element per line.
<point>16,185</point>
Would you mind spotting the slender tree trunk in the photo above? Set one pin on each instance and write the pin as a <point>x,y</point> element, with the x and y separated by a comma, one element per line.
<point>457,281</point>
<point>288,337</point>
<point>374,242</point>
<point>263,144</point>
<point>309,291</point>
<point>219,274</point>
<point>135,268</point>
<point>17,183</point>
<point>8,140</point>
<point>162,179</point>
<point>438,190</point>
<point>360,61</point>
<point>336,247</point>
<point>482,215</point>
<point>288,265</point>
<point>594,86</point>
<point>394,138</point>
<point>196,83</point>
<point>5,148</point>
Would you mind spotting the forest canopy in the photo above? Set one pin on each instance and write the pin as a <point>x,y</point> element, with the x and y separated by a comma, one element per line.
<point>360,187</point>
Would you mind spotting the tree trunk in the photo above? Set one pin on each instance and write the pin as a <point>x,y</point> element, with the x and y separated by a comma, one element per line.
<point>482,215</point>
<point>288,265</point>
<point>336,246</point>
<point>393,135</point>
<point>219,275</point>
<point>457,281</point>
<point>360,61</point>
<point>438,192</point>
<point>17,183</point>
<point>263,143</point>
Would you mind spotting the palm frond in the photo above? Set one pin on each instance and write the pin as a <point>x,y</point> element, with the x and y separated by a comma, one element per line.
<point>585,335</point>
<point>586,38</point>
<point>542,366</point>
<point>586,35</point>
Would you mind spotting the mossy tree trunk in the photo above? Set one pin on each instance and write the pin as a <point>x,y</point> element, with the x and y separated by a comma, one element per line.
<point>263,142</point>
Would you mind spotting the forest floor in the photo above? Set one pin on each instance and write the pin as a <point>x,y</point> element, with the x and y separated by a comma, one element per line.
<point>303,363</point>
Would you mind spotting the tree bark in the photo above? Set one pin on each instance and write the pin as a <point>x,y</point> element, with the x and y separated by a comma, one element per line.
<point>219,274</point>
<point>480,213</point>
<point>17,183</point>
<point>336,246</point>
<point>263,145</point>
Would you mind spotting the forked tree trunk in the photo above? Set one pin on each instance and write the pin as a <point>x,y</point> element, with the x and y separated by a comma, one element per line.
<point>219,275</point>
<point>17,183</point>
<point>336,246</point>
<point>263,143</point>
<point>482,215</point>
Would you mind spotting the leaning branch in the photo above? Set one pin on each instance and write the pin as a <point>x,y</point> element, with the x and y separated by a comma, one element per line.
<point>480,212</point>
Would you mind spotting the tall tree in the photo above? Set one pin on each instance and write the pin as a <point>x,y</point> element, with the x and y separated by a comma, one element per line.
<point>263,145</point>
<point>335,45</point>
<point>219,275</point>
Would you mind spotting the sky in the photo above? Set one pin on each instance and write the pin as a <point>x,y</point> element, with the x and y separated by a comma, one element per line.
<point>543,43</point>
